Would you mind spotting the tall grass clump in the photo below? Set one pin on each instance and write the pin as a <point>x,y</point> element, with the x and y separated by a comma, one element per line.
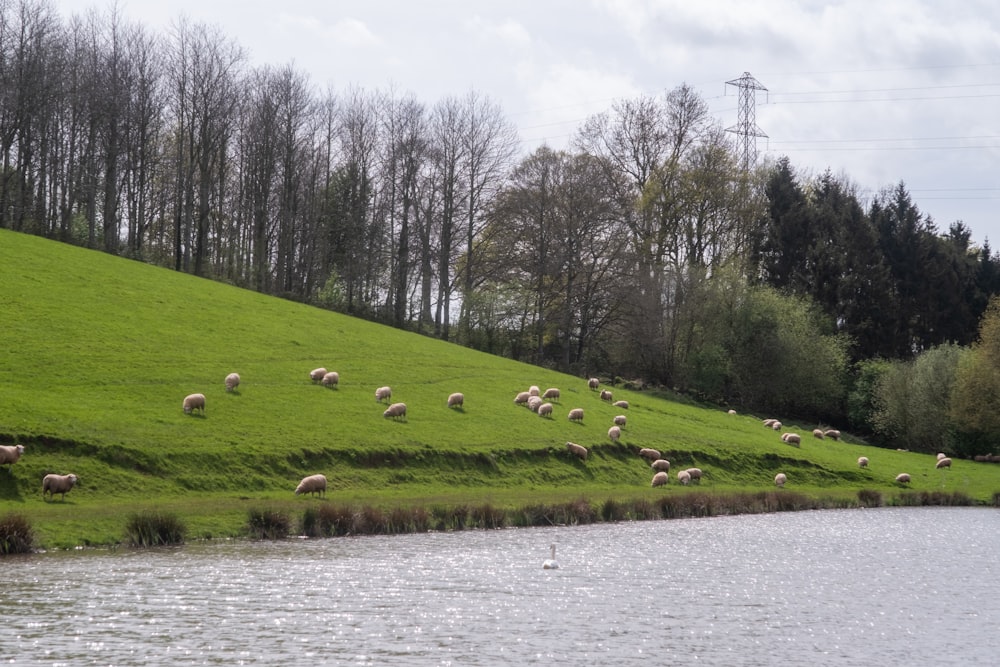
<point>268,524</point>
<point>153,529</point>
<point>16,535</point>
<point>870,498</point>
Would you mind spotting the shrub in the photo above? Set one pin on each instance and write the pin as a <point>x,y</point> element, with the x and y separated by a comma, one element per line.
<point>151,529</point>
<point>16,535</point>
<point>870,498</point>
<point>268,524</point>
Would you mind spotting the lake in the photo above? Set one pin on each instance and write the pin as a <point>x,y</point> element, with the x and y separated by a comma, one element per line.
<point>888,586</point>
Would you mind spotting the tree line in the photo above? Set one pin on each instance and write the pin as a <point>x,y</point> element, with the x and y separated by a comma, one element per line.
<point>643,251</point>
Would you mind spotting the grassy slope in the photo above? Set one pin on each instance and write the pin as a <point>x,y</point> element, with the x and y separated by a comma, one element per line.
<point>99,352</point>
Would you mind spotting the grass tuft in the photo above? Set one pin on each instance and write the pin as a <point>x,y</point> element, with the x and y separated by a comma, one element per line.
<point>16,535</point>
<point>154,529</point>
<point>268,524</point>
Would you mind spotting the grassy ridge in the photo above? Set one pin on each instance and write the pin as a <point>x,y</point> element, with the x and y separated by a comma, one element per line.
<point>100,351</point>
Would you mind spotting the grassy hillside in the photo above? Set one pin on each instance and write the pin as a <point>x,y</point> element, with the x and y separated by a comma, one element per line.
<point>100,351</point>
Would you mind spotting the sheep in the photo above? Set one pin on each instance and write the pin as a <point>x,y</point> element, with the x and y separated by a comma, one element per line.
<point>775,425</point>
<point>940,456</point>
<point>833,434</point>
<point>9,454</point>
<point>621,404</point>
<point>315,484</point>
<point>780,479</point>
<point>232,381</point>
<point>620,420</point>
<point>818,433</point>
<point>53,484</point>
<point>593,383</point>
<point>534,390</point>
<point>576,415</point>
<point>331,379</point>
<point>793,439</point>
<point>769,422</point>
<point>317,374</point>
<point>695,474</point>
<point>862,461</point>
<point>606,395</point>
<point>731,412</point>
<point>943,463</point>
<point>551,394</point>
<point>522,398</point>
<point>615,433</point>
<point>194,402</point>
<point>903,478</point>
<point>383,394</point>
<point>545,410</point>
<point>660,479</point>
<point>660,465</point>
<point>684,477</point>
<point>649,454</point>
<point>577,450</point>
<point>534,402</point>
<point>456,400</point>
<point>396,411</point>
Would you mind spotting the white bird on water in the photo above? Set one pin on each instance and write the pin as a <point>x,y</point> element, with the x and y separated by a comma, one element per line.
<point>551,563</point>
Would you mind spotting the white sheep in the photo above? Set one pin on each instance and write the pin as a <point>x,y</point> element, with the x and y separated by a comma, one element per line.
<point>793,439</point>
<point>833,434</point>
<point>649,454</point>
<point>534,402</point>
<point>456,400</point>
<point>9,454</point>
<point>684,477</point>
<point>731,412</point>
<point>533,390</point>
<point>383,394</point>
<point>620,420</point>
<point>695,474</point>
<point>53,484</point>
<point>312,484</point>
<point>522,398</point>
<point>940,456</point>
<point>545,410</point>
<point>769,422</point>
<point>775,425</point>
<point>551,394</point>
<point>194,402</point>
<point>780,479</point>
<point>943,463</point>
<point>818,433</point>
<point>660,479</point>
<point>660,465</point>
<point>576,415</point>
<point>232,381</point>
<point>577,450</point>
<point>862,461</point>
<point>316,374</point>
<point>331,379</point>
<point>621,404</point>
<point>593,383</point>
<point>615,433</point>
<point>903,478</point>
<point>396,411</point>
<point>606,395</point>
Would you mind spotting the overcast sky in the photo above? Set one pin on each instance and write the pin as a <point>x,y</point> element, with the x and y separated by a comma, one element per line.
<point>881,91</point>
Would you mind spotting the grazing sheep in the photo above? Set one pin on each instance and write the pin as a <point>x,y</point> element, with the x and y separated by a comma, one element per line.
<point>593,383</point>
<point>833,434</point>
<point>551,394</point>
<point>312,484</point>
<point>534,402</point>
<point>793,439</point>
<point>456,400</point>
<point>775,425</point>
<point>660,479</point>
<point>331,379</point>
<point>684,477</point>
<point>522,398</point>
<point>780,479</point>
<point>649,454</point>
<point>383,394</point>
<point>545,410</point>
<point>317,374</point>
<point>862,461</point>
<point>614,433</point>
<point>232,381</point>
<point>943,463</point>
<point>9,454</point>
<point>731,412</point>
<point>577,450</point>
<point>660,465</point>
<point>576,415</point>
<point>53,484</point>
<point>194,402</point>
<point>396,411</point>
<point>695,474</point>
<point>620,420</point>
<point>533,391</point>
<point>621,404</point>
<point>818,433</point>
<point>903,478</point>
<point>769,422</point>
<point>606,395</point>
<point>940,456</point>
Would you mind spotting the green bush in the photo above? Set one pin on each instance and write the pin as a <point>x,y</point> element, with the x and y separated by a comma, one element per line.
<point>152,529</point>
<point>16,535</point>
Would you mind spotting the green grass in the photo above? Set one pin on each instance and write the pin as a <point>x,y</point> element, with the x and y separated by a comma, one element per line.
<point>98,353</point>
